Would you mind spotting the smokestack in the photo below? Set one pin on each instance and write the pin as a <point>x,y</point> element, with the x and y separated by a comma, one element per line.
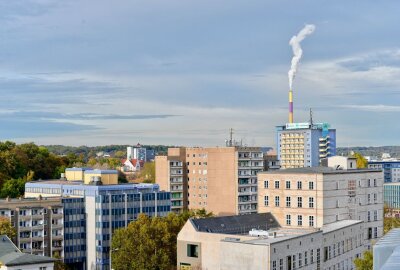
<point>297,53</point>
<point>290,106</point>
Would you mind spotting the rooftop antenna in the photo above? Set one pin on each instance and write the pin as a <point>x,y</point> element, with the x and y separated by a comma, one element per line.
<point>311,120</point>
<point>231,137</point>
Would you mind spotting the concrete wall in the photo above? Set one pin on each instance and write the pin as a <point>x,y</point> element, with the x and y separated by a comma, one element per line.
<point>91,232</point>
<point>106,179</point>
<point>162,172</point>
<point>74,175</point>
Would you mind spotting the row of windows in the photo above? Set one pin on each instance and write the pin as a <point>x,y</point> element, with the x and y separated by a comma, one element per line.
<point>311,220</point>
<point>296,261</point>
<point>289,201</point>
<point>288,184</point>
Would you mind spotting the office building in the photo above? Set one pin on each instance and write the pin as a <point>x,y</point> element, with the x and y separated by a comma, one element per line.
<point>391,169</point>
<point>256,241</point>
<point>304,144</point>
<point>93,211</point>
<point>11,258</point>
<point>222,180</point>
<point>391,195</point>
<point>314,197</point>
<point>387,251</point>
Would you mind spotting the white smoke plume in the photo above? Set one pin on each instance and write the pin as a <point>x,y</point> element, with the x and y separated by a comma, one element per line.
<point>297,51</point>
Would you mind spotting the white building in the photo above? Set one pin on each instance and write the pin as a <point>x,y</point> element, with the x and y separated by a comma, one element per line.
<point>226,243</point>
<point>11,258</point>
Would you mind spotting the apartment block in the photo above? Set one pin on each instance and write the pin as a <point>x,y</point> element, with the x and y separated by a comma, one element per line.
<point>256,241</point>
<point>171,175</point>
<point>317,196</point>
<point>222,180</point>
<point>93,212</point>
<point>304,144</point>
<point>39,224</point>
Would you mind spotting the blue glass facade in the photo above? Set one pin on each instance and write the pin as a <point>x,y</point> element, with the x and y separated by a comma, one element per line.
<point>391,195</point>
<point>92,213</point>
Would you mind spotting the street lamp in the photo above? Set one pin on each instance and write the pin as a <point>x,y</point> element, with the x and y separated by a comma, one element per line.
<point>111,251</point>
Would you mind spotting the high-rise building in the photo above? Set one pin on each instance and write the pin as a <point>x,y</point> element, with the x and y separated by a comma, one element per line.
<point>314,197</point>
<point>304,144</point>
<point>222,180</point>
<point>391,196</point>
<point>391,169</point>
<point>91,212</point>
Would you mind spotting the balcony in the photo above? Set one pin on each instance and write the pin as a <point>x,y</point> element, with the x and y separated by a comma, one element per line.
<point>24,228</point>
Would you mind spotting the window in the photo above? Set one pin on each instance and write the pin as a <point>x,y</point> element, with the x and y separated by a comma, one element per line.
<point>193,251</point>
<point>369,198</point>
<point>311,202</point>
<point>265,184</point>
<point>276,184</point>
<point>287,184</point>
<point>305,258</point>
<point>300,220</point>
<point>43,268</point>
<point>280,264</point>
<point>369,216</point>
<point>287,201</point>
<point>276,200</point>
<point>369,182</point>
<point>310,185</point>
<point>311,221</point>
<point>299,185</point>
<point>376,232</point>
<point>312,256</point>
<point>375,215</point>
<point>273,265</point>
<point>299,202</point>
<point>266,200</point>
<point>374,182</point>
<point>374,197</point>
<point>300,260</point>
<point>288,220</point>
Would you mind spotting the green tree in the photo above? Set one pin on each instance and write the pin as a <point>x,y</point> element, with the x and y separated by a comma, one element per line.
<point>13,188</point>
<point>361,161</point>
<point>366,262</point>
<point>389,221</point>
<point>120,154</point>
<point>6,228</point>
<point>148,172</point>
<point>149,243</point>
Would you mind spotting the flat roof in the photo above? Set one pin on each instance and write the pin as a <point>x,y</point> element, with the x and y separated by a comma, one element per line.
<point>339,225</point>
<point>238,224</point>
<point>318,170</point>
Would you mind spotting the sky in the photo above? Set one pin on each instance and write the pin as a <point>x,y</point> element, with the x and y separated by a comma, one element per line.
<point>100,72</point>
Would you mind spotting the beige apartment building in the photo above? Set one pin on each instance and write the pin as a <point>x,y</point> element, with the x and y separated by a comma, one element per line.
<point>314,197</point>
<point>257,241</point>
<point>39,224</point>
<point>222,180</point>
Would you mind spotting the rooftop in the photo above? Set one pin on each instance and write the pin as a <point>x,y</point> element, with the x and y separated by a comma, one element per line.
<point>240,224</point>
<point>339,224</point>
<point>319,170</point>
<point>10,255</point>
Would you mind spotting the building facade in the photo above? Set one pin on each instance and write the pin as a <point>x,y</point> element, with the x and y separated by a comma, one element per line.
<point>222,180</point>
<point>387,251</point>
<point>38,223</point>
<point>231,243</point>
<point>391,195</point>
<point>93,212</point>
<point>391,169</point>
<point>314,197</point>
<point>304,144</point>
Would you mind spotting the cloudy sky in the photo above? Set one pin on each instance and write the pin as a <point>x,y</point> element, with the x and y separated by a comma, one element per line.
<point>184,72</point>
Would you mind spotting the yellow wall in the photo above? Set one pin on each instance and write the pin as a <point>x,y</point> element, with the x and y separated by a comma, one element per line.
<point>106,179</point>
<point>74,175</point>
